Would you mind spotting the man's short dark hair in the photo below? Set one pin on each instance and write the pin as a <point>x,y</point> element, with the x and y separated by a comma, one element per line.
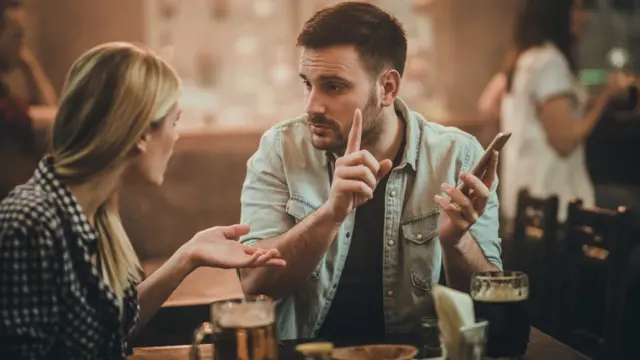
<point>377,36</point>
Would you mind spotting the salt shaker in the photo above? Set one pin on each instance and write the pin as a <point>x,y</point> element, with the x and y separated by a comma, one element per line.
<point>472,341</point>
<point>316,350</point>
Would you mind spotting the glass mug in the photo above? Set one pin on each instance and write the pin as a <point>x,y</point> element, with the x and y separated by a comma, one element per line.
<point>501,299</point>
<point>241,329</point>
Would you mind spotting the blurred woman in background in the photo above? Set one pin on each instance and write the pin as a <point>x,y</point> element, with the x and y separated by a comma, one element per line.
<point>540,101</point>
<point>22,85</point>
<point>68,272</point>
<point>20,70</point>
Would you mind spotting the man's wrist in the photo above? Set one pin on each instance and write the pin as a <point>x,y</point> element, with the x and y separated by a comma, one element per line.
<point>327,214</point>
<point>453,245</point>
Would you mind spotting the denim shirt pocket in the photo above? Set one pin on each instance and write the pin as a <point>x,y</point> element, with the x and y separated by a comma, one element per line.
<point>419,233</point>
<point>422,229</point>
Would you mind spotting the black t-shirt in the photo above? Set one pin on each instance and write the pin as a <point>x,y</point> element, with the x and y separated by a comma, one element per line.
<point>356,315</point>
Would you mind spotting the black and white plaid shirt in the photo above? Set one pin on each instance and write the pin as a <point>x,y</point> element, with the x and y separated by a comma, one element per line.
<point>53,301</point>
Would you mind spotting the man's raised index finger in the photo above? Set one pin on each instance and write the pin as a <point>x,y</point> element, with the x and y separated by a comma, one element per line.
<point>355,135</point>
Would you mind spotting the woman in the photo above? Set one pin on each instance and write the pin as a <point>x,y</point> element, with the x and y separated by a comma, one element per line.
<point>68,272</point>
<point>20,143</point>
<point>541,102</point>
<point>20,148</point>
<point>19,67</point>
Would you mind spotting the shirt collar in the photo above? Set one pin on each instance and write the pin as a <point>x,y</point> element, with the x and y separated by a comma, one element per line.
<point>412,135</point>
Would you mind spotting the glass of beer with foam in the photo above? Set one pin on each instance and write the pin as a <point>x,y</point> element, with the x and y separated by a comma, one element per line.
<point>241,329</point>
<point>501,299</point>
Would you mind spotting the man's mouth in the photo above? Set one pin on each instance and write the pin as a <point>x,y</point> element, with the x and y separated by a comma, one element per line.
<point>319,130</point>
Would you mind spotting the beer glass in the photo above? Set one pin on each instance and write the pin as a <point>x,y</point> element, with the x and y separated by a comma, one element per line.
<point>241,329</point>
<point>501,299</point>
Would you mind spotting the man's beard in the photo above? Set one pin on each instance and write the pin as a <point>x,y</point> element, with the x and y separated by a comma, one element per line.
<point>371,126</point>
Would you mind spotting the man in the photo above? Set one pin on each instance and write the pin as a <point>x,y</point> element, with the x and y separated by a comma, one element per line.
<point>355,195</point>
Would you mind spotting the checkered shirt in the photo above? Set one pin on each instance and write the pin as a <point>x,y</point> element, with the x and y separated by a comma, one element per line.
<point>54,303</point>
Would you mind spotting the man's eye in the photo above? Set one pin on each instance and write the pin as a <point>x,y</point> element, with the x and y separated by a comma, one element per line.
<point>334,87</point>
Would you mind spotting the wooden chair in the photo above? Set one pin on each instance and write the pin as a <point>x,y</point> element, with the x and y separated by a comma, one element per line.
<point>596,265</point>
<point>534,238</point>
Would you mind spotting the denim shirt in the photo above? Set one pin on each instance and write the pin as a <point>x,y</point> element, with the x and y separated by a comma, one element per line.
<point>287,179</point>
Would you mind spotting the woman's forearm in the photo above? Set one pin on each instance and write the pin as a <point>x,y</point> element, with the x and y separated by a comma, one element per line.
<point>593,115</point>
<point>39,84</point>
<point>155,289</point>
<point>564,132</point>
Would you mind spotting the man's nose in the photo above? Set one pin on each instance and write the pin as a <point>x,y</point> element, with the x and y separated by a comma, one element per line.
<point>315,103</point>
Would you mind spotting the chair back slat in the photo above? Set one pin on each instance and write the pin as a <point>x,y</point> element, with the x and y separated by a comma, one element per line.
<point>534,237</point>
<point>596,245</point>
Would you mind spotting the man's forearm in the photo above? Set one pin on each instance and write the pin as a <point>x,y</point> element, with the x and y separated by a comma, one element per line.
<point>303,247</point>
<point>462,260</point>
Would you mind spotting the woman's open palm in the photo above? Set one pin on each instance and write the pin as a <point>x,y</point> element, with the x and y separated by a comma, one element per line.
<point>217,247</point>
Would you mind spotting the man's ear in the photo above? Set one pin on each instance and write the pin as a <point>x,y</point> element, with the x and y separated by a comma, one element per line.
<point>390,84</point>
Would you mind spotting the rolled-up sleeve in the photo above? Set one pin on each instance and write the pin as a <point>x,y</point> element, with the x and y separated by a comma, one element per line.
<point>486,230</point>
<point>28,305</point>
<point>265,192</point>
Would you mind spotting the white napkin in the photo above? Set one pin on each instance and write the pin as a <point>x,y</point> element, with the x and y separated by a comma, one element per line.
<point>455,311</point>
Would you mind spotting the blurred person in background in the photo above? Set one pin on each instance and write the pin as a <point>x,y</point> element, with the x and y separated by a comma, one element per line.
<point>20,71</point>
<point>539,99</point>
<point>70,281</point>
<point>20,145</point>
<point>20,148</point>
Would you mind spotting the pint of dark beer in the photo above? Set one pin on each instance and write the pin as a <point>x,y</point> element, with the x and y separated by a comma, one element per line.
<point>500,298</point>
<point>242,329</point>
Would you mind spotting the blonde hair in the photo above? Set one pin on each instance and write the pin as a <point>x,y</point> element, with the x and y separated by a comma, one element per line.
<point>113,94</point>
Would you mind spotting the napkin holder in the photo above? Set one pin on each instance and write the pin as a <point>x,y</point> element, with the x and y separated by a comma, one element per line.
<point>462,338</point>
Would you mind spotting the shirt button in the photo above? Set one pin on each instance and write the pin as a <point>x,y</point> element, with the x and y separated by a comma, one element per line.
<point>419,236</point>
<point>393,193</point>
<point>389,293</point>
<point>391,242</point>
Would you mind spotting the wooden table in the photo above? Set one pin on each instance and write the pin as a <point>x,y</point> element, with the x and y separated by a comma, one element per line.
<point>202,287</point>
<point>541,347</point>
<point>188,305</point>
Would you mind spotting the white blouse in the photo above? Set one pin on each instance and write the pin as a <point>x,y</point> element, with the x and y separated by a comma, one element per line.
<point>528,161</point>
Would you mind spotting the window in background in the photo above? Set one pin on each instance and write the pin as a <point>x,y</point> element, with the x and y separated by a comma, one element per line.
<point>624,5</point>
<point>239,64</point>
<point>590,4</point>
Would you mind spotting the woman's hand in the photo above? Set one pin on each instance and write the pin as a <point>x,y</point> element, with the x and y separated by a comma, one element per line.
<point>618,85</point>
<point>218,247</point>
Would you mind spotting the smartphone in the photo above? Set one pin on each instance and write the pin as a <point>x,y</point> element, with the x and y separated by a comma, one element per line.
<point>496,145</point>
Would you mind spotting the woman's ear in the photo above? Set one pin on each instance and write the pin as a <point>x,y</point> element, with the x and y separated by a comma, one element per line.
<point>143,143</point>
